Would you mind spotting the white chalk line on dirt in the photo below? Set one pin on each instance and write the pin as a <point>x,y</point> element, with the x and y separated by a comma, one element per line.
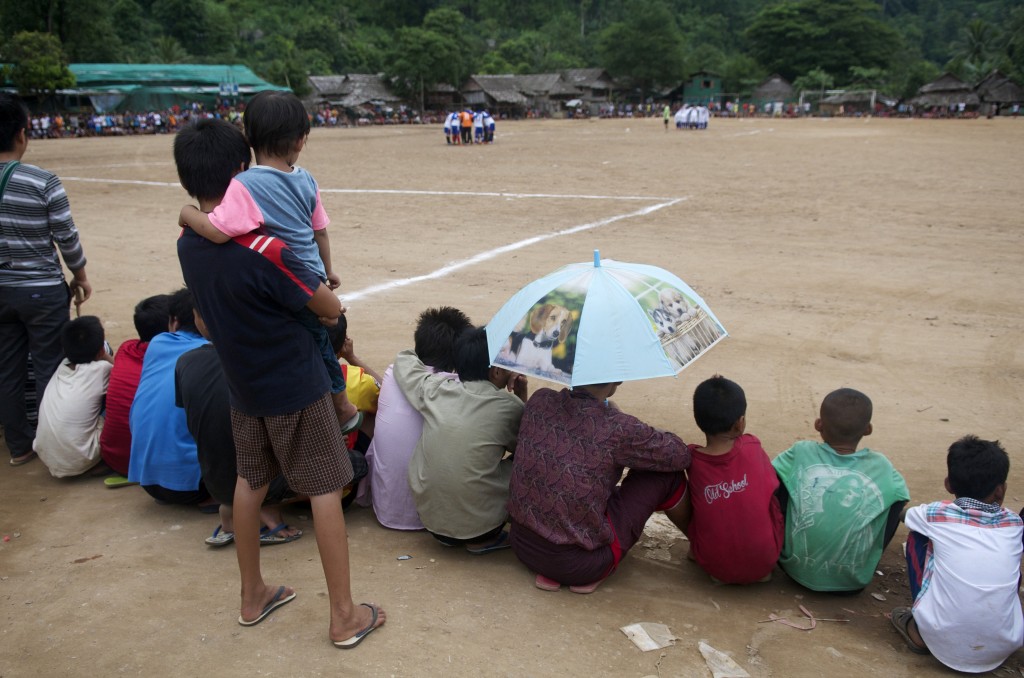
<point>445,271</point>
<point>396,191</point>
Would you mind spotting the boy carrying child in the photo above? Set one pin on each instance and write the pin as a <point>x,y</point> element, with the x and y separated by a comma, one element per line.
<point>283,420</point>
<point>963,560</point>
<point>736,528</point>
<point>842,502</point>
<point>281,200</point>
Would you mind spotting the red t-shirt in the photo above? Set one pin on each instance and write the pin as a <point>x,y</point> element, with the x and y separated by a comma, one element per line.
<point>116,438</point>
<point>737,527</point>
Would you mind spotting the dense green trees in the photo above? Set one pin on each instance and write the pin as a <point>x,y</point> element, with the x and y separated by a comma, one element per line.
<point>650,44</point>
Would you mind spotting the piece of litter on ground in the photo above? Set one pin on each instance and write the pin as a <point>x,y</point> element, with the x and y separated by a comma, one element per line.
<point>880,573</point>
<point>649,635</point>
<point>7,537</point>
<point>878,596</point>
<point>720,664</point>
<point>404,558</point>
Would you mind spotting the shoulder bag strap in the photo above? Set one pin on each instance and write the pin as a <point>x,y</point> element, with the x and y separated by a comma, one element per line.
<point>6,176</point>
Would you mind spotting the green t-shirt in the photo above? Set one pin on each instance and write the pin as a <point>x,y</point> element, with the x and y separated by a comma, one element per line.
<point>838,506</point>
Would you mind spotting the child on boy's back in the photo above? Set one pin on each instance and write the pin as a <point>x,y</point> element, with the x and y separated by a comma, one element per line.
<point>284,200</point>
<point>736,527</point>
<point>71,412</point>
<point>842,502</point>
<point>963,560</point>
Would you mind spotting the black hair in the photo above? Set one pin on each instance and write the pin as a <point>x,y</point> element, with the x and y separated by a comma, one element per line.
<point>718,403</point>
<point>151,315</point>
<point>13,118</point>
<point>179,306</point>
<point>82,339</point>
<point>845,415</point>
<point>274,121</point>
<point>208,152</point>
<point>471,359</point>
<point>338,333</point>
<point>436,331</point>
<point>976,467</point>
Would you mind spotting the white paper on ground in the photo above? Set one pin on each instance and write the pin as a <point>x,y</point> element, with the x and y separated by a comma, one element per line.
<point>648,635</point>
<point>721,664</point>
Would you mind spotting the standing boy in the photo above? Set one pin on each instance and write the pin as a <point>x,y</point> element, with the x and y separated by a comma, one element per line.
<point>34,299</point>
<point>283,420</point>
<point>963,560</point>
<point>842,503</point>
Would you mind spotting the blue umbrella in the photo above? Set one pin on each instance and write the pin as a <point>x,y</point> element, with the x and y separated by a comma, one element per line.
<point>602,322</point>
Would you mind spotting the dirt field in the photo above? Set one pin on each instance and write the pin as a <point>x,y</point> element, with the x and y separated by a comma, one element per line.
<point>882,255</point>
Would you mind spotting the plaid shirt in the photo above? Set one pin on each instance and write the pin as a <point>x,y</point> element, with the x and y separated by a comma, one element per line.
<point>967,511</point>
<point>35,220</point>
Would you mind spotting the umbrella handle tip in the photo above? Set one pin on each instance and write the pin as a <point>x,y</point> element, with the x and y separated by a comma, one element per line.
<point>597,258</point>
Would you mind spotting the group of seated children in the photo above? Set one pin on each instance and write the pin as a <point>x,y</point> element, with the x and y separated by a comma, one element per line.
<point>455,446</point>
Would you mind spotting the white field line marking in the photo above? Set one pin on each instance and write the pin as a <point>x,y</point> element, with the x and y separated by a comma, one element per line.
<point>444,271</point>
<point>68,168</point>
<point>495,194</point>
<point>389,191</point>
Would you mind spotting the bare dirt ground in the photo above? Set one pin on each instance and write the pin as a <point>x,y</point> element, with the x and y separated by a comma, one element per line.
<point>882,255</point>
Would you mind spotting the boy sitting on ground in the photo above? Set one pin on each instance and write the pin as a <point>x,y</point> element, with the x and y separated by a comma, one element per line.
<point>71,412</point>
<point>397,425</point>
<point>459,473</point>
<point>842,503</point>
<point>963,560</point>
<point>736,527</point>
<point>151,316</point>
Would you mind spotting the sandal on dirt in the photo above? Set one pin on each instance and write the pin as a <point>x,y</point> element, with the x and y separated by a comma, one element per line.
<point>269,537</point>
<point>546,584</point>
<point>901,618</point>
<point>114,482</point>
<point>500,542</point>
<point>220,537</point>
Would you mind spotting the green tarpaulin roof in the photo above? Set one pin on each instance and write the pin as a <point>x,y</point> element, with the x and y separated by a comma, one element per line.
<point>101,76</point>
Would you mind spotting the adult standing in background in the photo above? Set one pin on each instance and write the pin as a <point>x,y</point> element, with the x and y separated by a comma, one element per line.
<point>35,221</point>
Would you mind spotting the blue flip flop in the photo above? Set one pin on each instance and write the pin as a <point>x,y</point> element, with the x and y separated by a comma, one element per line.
<point>220,537</point>
<point>277,601</point>
<point>270,537</point>
<point>350,643</point>
<point>499,543</point>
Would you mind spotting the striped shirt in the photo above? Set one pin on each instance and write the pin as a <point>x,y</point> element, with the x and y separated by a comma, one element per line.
<point>35,221</point>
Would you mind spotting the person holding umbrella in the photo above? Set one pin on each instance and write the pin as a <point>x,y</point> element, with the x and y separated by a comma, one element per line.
<point>571,521</point>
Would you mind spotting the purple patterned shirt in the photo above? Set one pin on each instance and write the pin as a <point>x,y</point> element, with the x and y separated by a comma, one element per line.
<point>571,453</point>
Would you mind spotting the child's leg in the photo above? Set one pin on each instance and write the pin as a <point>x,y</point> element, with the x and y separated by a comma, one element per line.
<point>892,522</point>
<point>347,618</point>
<point>246,507</point>
<point>917,557</point>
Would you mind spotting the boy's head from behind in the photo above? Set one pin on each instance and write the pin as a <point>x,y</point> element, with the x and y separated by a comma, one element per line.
<point>82,339</point>
<point>436,332</point>
<point>472,361</point>
<point>180,305</point>
<point>13,119</point>
<point>275,122</point>
<point>718,405</point>
<point>845,417</point>
<point>208,153</point>
<point>977,469</point>
<point>151,316</point>
<point>338,334</point>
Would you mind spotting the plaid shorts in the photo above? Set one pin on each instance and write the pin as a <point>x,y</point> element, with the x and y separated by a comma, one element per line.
<point>305,446</point>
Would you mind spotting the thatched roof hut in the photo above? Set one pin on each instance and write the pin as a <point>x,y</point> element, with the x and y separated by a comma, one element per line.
<point>944,92</point>
<point>774,88</point>
<point>354,90</point>
<point>999,90</point>
<point>495,92</point>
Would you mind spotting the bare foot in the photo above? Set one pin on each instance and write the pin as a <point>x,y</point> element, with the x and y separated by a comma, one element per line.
<point>253,605</point>
<point>359,621</point>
